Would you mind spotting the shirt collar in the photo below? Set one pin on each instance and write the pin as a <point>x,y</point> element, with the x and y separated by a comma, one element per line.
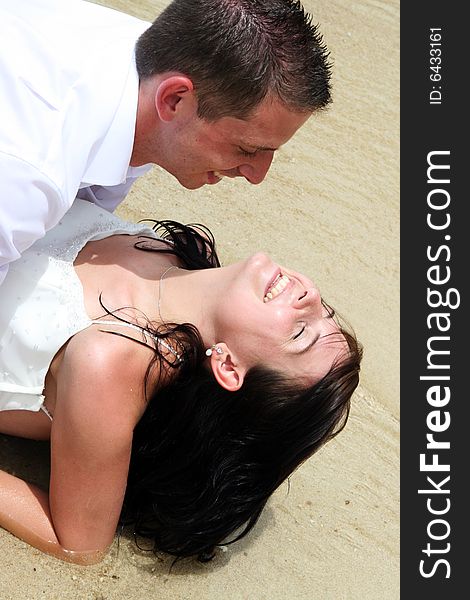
<point>110,162</point>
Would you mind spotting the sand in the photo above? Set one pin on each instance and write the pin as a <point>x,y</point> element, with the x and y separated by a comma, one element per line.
<point>329,208</point>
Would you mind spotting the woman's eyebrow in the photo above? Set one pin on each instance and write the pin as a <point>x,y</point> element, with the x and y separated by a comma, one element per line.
<point>308,346</point>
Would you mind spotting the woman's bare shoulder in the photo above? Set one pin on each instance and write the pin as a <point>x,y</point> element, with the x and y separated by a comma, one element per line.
<point>102,372</point>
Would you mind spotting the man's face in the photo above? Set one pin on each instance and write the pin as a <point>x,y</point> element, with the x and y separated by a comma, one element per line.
<point>199,152</point>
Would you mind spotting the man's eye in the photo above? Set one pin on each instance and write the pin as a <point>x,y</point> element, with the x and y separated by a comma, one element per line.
<point>247,153</point>
<point>297,335</point>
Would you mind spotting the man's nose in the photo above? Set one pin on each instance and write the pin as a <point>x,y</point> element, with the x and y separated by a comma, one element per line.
<point>255,171</point>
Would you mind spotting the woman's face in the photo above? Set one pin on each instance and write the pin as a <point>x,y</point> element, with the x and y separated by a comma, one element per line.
<point>273,316</point>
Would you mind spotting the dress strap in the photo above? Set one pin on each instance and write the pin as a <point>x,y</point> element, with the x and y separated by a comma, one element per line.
<point>45,411</point>
<point>142,330</point>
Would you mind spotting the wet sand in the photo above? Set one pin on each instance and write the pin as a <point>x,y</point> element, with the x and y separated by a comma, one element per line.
<point>329,208</point>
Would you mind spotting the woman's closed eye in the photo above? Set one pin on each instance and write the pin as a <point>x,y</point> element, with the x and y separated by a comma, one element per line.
<point>299,333</point>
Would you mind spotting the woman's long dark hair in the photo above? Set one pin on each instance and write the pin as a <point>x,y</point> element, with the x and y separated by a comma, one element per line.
<point>204,460</point>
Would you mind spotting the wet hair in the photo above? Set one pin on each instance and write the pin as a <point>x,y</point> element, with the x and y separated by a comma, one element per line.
<point>238,52</point>
<point>205,460</point>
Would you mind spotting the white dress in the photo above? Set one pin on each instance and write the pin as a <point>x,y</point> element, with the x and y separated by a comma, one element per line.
<point>41,302</point>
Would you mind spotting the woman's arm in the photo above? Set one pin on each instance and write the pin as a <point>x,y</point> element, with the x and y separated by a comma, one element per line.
<point>99,400</point>
<point>24,511</point>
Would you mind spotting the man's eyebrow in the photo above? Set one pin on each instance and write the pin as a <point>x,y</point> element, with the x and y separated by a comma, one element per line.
<point>266,149</point>
<point>255,148</point>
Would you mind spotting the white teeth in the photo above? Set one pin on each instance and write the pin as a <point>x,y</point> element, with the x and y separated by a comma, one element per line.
<point>279,284</point>
<point>218,175</point>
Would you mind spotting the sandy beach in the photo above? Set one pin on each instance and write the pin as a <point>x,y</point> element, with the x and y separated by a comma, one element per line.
<point>330,208</point>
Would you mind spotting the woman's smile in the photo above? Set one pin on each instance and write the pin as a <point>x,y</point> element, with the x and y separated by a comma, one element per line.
<point>276,287</point>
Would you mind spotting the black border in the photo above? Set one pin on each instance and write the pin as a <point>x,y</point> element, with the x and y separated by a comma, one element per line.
<point>425,128</point>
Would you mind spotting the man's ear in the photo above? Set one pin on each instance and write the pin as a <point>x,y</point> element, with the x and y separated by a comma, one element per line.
<point>228,374</point>
<point>174,93</point>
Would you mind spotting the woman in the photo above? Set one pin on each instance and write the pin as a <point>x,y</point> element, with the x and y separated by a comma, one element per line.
<point>177,395</point>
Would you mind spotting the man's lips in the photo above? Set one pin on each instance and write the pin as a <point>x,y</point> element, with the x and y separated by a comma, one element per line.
<point>228,173</point>
<point>213,178</point>
<point>216,176</point>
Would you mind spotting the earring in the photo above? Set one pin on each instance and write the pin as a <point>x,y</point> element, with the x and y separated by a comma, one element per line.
<point>214,348</point>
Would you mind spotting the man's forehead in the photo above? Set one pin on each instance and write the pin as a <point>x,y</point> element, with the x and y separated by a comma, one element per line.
<point>271,126</point>
<point>253,136</point>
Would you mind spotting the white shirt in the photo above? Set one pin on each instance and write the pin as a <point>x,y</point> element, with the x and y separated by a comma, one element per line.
<point>68,102</point>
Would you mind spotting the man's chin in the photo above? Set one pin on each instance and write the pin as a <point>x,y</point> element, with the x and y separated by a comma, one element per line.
<point>190,183</point>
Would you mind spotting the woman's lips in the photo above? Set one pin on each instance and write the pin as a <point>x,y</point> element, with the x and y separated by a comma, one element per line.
<point>276,287</point>
<point>276,274</point>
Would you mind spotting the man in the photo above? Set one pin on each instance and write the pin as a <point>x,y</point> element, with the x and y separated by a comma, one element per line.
<point>90,97</point>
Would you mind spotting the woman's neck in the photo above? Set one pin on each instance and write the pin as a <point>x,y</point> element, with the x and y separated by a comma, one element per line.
<point>153,285</point>
<point>189,297</point>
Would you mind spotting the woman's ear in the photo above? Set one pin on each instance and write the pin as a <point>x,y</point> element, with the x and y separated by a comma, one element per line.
<point>228,374</point>
<point>171,93</point>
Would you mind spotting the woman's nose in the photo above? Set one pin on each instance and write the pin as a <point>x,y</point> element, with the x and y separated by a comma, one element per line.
<point>310,299</point>
<point>255,171</point>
